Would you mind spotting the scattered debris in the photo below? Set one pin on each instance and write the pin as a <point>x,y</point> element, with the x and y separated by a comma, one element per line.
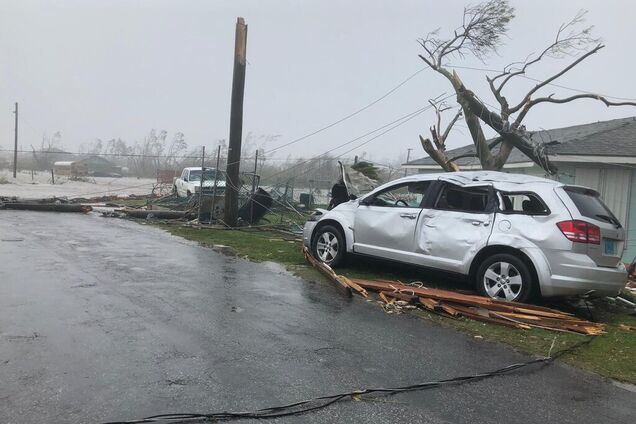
<point>156,213</point>
<point>515,315</point>
<point>256,206</point>
<point>395,295</point>
<point>626,327</point>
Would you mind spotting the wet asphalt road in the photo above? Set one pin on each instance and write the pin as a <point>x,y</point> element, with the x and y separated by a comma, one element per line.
<point>103,319</point>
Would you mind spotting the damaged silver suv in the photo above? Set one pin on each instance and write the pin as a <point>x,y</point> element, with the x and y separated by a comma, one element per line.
<point>515,236</point>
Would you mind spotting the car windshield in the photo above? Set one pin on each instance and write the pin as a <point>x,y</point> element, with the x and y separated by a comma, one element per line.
<point>209,174</point>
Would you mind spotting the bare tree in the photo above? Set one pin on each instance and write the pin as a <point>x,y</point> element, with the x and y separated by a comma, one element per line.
<point>483,27</point>
<point>437,149</point>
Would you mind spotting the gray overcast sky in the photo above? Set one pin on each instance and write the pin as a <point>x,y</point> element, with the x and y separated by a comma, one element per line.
<point>109,69</point>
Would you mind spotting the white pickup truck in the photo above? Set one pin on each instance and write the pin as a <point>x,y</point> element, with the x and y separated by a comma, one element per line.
<point>189,182</point>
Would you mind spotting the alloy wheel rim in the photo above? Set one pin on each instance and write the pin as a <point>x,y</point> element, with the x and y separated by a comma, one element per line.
<point>327,247</point>
<point>502,280</point>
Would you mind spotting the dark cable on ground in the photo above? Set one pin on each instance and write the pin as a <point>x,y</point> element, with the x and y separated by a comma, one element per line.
<point>321,402</point>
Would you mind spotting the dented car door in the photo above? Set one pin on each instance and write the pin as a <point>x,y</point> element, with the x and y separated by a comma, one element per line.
<point>456,227</point>
<point>385,222</point>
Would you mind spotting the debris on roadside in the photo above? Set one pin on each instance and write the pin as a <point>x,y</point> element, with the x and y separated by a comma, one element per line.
<point>156,214</point>
<point>453,305</point>
<point>256,206</point>
<point>43,205</point>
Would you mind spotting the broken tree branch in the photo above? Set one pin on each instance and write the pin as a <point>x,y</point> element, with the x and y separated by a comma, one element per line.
<point>438,156</point>
<point>551,99</point>
<point>547,81</point>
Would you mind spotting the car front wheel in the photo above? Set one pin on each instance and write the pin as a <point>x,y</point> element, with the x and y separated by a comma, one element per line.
<point>505,277</point>
<point>328,245</point>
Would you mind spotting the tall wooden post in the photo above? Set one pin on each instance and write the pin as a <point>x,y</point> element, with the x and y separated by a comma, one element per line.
<point>201,183</point>
<point>408,157</point>
<point>15,147</point>
<point>236,125</point>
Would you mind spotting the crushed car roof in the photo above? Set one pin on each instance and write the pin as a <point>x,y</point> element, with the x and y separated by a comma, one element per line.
<point>501,180</point>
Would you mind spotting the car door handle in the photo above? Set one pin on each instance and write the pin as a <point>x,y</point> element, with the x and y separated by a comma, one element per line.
<point>408,215</point>
<point>477,223</point>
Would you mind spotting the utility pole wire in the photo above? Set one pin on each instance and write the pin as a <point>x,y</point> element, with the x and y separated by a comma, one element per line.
<point>351,115</point>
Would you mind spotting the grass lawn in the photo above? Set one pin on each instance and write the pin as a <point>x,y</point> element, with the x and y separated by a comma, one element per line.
<point>611,355</point>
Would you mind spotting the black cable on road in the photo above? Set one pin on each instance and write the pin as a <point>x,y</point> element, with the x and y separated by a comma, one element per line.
<point>321,402</point>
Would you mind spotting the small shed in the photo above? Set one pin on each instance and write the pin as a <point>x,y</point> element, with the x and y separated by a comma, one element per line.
<point>101,167</point>
<point>73,169</point>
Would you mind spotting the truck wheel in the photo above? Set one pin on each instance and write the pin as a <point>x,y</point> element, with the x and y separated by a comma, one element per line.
<point>505,277</point>
<point>328,245</point>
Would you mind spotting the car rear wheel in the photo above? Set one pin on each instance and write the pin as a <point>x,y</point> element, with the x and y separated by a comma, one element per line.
<point>505,277</point>
<point>328,245</point>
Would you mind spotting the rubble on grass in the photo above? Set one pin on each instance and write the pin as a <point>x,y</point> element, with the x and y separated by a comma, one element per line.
<point>396,296</point>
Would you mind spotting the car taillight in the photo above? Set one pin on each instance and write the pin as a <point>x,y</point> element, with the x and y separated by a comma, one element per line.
<point>580,231</point>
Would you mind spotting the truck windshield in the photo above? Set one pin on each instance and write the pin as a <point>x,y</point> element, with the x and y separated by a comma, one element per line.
<point>196,175</point>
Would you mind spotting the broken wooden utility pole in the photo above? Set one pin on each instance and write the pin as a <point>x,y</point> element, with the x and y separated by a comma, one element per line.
<point>232,183</point>
<point>15,146</point>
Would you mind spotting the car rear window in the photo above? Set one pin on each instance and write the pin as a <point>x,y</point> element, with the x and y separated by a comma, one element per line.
<point>522,203</point>
<point>590,205</point>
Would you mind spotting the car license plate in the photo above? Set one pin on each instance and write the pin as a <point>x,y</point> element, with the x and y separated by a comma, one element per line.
<point>609,247</point>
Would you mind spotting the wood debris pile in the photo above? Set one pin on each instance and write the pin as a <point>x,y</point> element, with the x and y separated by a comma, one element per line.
<point>453,304</point>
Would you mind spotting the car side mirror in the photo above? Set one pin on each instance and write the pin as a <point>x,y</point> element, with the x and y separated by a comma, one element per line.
<point>366,201</point>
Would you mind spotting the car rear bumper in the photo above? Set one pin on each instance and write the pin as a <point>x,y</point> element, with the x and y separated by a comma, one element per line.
<point>575,274</point>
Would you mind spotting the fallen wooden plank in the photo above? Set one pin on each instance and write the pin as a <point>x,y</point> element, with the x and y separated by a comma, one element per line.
<point>46,207</point>
<point>328,272</point>
<point>429,304</point>
<point>450,310</point>
<point>470,313</point>
<point>472,300</point>
<point>361,291</point>
<point>383,297</point>
<point>590,331</point>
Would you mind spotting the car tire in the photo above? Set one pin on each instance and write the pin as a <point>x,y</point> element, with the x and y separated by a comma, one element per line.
<point>174,190</point>
<point>505,277</point>
<point>328,245</point>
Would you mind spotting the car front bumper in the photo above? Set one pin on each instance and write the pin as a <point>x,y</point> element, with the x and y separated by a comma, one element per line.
<point>307,230</point>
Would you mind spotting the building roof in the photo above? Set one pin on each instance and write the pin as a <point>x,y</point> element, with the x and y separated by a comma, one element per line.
<point>616,137</point>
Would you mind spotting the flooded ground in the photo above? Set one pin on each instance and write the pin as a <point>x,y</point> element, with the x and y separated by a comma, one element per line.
<point>40,186</point>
